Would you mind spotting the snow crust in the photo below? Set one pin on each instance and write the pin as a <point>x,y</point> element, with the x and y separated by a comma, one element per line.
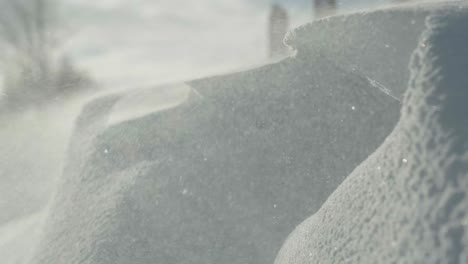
<point>407,203</point>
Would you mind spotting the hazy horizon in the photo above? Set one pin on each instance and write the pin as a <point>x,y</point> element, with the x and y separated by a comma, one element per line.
<point>121,42</point>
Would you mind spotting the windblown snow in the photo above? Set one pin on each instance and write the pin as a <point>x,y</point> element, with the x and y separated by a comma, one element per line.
<point>224,170</point>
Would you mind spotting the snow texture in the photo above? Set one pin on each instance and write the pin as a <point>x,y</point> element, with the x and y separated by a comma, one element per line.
<point>204,182</point>
<point>375,44</point>
<point>407,203</point>
<point>228,172</point>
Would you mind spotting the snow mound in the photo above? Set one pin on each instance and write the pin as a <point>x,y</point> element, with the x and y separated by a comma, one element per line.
<point>228,172</point>
<point>407,203</point>
<point>205,181</point>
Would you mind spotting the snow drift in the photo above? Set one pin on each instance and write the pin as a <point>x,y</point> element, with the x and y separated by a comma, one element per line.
<point>226,174</point>
<point>407,203</point>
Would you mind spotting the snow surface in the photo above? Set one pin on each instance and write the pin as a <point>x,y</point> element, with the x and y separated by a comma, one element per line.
<point>227,169</point>
<point>407,203</point>
<point>204,182</point>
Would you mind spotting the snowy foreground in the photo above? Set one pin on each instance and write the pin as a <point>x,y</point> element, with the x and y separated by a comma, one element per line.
<point>231,165</point>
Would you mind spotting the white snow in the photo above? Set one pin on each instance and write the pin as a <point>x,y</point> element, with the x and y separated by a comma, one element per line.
<point>415,211</point>
<point>221,169</point>
<point>140,102</point>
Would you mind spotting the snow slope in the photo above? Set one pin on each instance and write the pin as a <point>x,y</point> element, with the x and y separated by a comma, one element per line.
<point>407,203</point>
<point>226,174</point>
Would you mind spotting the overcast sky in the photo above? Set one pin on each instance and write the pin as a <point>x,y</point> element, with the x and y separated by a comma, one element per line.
<point>145,42</point>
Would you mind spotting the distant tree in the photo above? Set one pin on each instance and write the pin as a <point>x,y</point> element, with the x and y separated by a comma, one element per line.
<point>69,79</point>
<point>32,67</point>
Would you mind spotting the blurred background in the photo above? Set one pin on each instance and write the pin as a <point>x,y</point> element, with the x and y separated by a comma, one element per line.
<point>63,46</point>
<point>151,42</point>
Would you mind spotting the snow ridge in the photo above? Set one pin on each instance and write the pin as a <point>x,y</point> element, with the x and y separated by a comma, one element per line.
<point>408,202</point>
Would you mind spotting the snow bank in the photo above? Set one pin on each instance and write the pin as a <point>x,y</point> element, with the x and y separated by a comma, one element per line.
<point>228,173</point>
<point>408,202</point>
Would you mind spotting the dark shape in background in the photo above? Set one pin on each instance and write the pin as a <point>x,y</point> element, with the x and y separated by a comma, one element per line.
<point>278,27</point>
<point>324,8</point>
<point>34,70</point>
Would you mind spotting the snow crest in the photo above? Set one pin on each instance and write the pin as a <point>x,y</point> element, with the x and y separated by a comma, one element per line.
<point>408,202</point>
